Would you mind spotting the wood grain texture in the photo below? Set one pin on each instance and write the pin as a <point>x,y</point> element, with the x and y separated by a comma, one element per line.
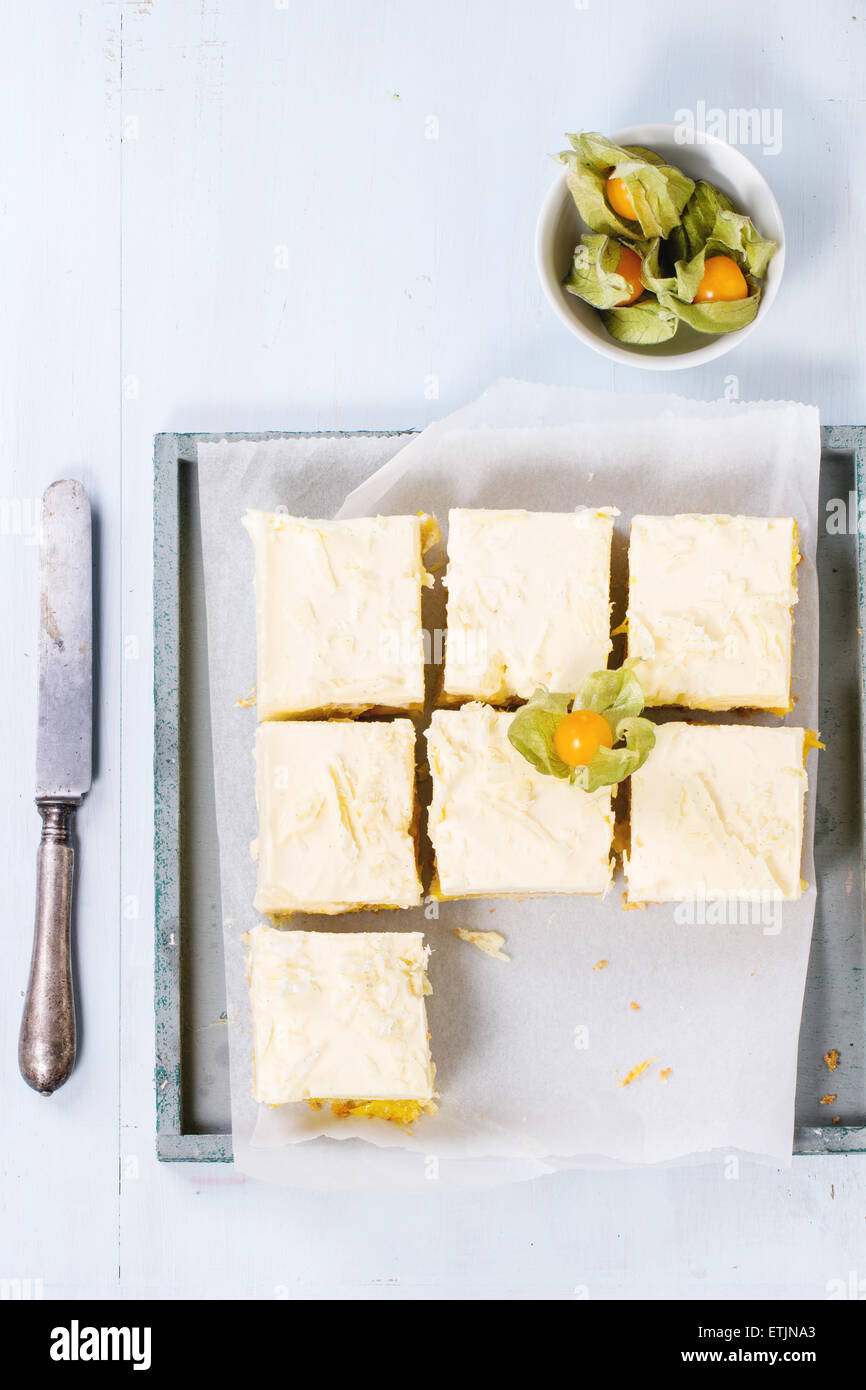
<point>60,409</point>
<point>258,204</point>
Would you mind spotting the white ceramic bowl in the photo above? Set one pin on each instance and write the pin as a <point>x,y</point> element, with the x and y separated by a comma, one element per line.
<point>560,227</point>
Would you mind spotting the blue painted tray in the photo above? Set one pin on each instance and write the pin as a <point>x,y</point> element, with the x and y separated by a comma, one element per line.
<point>192,1087</point>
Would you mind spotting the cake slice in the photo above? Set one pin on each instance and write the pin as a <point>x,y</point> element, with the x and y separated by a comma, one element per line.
<point>337,816</point>
<point>710,611</point>
<point>340,1017</point>
<point>528,602</point>
<point>500,827</point>
<point>338,613</point>
<point>716,810</point>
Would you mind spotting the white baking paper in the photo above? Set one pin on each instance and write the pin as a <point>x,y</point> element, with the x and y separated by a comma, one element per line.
<point>531,1055</point>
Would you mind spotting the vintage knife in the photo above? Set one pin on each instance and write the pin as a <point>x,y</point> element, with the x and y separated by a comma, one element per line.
<point>46,1046</point>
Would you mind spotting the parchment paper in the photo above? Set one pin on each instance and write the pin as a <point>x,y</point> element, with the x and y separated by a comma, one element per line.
<point>531,1055</point>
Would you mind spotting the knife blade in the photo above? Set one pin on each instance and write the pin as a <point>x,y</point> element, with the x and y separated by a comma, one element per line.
<point>65,701</point>
<point>47,1041</point>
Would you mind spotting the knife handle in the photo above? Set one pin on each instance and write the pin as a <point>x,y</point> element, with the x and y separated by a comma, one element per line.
<point>46,1044</point>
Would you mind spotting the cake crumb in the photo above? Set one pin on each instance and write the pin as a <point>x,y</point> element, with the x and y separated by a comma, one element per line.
<point>600,965</point>
<point>637,1071</point>
<point>245,701</point>
<point>832,1059</point>
<point>635,1007</point>
<point>665,1073</point>
<point>827,1100</point>
<point>490,942</point>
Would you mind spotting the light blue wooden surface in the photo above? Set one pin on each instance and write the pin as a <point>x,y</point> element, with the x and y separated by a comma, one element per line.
<point>146,216</point>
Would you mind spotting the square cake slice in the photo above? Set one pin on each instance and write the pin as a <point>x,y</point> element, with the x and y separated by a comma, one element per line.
<point>500,827</point>
<point>528,602</point>
<point>710,611</point>
<point>337,816</point>
<point>339,1016</point>
<point>338,613</point>
<point>718,809</point>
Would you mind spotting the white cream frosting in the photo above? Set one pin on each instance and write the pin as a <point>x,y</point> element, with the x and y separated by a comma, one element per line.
<point>499,826</point>
<point>718,809</point>
<point>336,804</point>
<point>338,1015</point>
<point>338,612</point>
<point>528,601</point>
<point>710,610</point>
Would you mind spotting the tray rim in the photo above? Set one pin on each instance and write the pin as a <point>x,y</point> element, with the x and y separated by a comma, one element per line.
<point>171,450</point>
